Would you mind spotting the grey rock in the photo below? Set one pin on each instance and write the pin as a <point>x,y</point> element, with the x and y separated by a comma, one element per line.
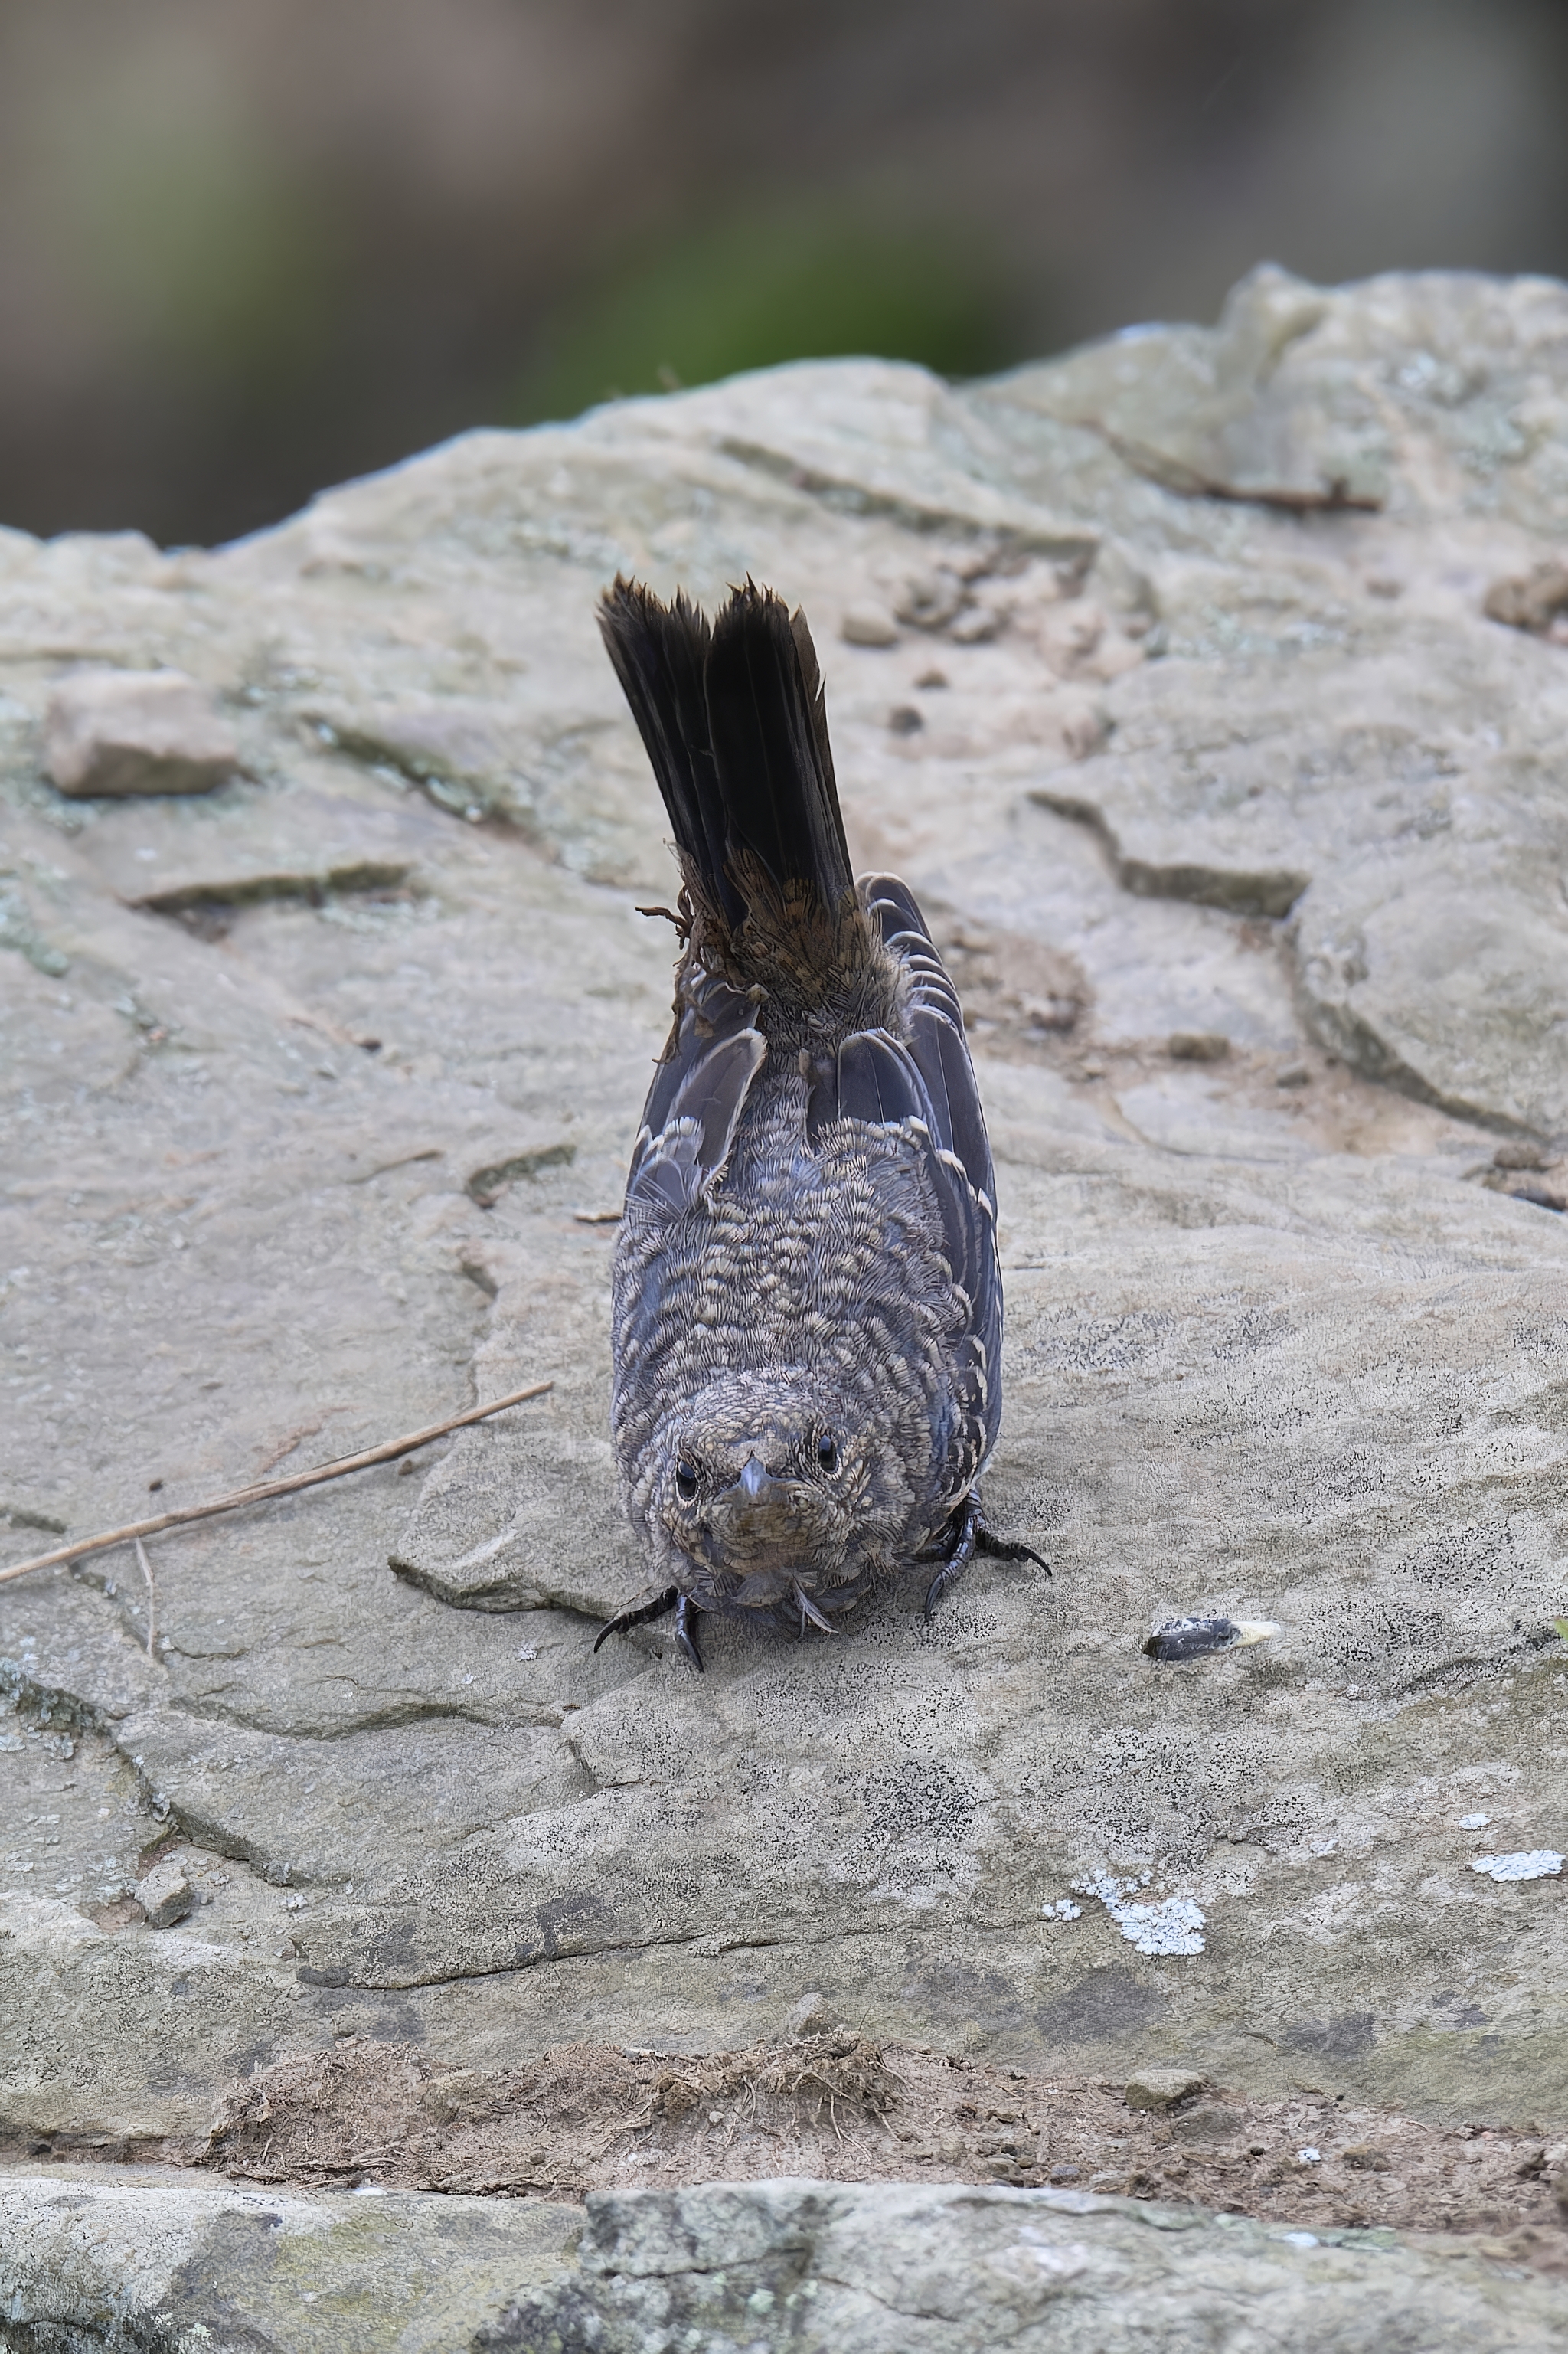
<point>1273,1355</point>
<point>133,2259</point>
<point>115,733</point>
<point>164,1894</point>
<point>80,2004</point>
<point>944,2271</point>
<point>149,2260</point>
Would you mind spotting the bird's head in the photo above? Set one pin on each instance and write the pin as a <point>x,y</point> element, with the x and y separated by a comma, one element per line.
<point>769,1488</point>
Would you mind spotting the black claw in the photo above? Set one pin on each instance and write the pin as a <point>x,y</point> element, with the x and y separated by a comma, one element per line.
<point>1005,1549</point>
<point>966,1534</point>
<point>671,1600</point>
<point>686,1631</point>
<point>939,1584</point>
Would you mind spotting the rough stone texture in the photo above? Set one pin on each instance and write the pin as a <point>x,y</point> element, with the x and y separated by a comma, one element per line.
<point>139,2261</point>
<point>854,2271</point>
<point>1163,761</point>
<point>111,732</point>
<point>784,2267</point>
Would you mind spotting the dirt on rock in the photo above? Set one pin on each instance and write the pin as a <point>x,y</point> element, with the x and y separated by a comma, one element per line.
<point>837,2107</point>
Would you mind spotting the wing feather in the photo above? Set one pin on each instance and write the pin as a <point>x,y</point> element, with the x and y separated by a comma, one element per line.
<point>697,1101</point>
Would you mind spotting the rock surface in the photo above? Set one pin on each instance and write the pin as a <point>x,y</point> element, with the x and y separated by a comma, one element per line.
<point>143,2262</point>
<point>811,2267</point>
<point>319,1089</point>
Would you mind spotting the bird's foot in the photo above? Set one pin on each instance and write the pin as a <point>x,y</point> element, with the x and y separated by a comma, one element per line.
<point>968,1532</point>
<point>685,1622</point>
<point>686,1631</point>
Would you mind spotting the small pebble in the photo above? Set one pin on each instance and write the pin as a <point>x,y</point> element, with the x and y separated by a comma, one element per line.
<point>1295,1075</point>
<point>931,601</point>
<point>111,733</point>
<point>1195,1638</point>
<point>164,1894</point>
<point>1310,2156</point>
<point>905,720</point>
<point>1519,1155</point>
<point>1197,1046</point>
<point>868,625</point>
<point>812,2014</point>
<point>1161,2088</point>
<point>977,625</point>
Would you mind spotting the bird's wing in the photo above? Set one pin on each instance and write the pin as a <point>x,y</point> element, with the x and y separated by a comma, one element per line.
<point>698,1095</point>
<point>936,1040</point>
<point>923,1084</point>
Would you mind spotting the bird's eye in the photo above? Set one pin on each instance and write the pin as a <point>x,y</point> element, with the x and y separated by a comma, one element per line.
<point>686,1481</point>
<point>827,1452</point>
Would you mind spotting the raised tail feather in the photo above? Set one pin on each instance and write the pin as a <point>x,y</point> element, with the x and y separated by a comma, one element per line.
<point>732,720</point>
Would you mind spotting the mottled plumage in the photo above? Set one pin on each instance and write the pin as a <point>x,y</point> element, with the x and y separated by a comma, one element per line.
<point>806,1302</point>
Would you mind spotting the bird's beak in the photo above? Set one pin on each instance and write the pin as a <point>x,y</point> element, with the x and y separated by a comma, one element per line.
<point>760,1514</point>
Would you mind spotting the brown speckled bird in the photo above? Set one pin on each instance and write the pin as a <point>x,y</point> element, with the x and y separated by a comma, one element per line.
<point>806,1302</point>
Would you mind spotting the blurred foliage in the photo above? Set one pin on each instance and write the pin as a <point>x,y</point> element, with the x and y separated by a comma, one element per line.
<point>207,252</point>
<point>752,292</point>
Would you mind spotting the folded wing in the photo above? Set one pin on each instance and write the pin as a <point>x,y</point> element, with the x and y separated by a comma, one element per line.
<point>698,1098</point>
<point>922,1085</point>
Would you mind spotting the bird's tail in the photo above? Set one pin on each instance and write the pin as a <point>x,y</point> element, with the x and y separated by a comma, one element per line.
<point>732,720</point>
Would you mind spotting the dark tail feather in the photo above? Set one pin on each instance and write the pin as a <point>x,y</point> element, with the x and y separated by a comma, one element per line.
<point>733,721</point>
<point>660,653</point>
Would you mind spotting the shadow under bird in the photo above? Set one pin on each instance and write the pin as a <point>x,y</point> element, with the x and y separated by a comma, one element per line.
<point>807,1299</point>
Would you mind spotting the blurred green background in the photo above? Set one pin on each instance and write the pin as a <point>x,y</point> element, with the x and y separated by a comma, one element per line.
<point>801,283</point>
<point>248,248</point>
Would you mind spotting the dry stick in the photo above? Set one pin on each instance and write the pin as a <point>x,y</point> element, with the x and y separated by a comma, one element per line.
<point>387,1453</point>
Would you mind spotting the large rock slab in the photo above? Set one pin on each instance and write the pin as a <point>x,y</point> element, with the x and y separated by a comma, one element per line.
<point>767,2266</point>
<point>319,1089</point>
<point>147,2261</point>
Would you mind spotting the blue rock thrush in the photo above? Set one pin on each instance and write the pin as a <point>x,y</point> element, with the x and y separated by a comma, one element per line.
<point>807,1300</point>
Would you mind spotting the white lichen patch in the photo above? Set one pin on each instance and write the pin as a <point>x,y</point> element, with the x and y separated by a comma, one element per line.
<point>1168,1924</point>
<point>1528,1863</point>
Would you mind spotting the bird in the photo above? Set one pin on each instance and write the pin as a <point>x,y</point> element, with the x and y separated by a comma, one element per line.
<point>806,1294</point>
